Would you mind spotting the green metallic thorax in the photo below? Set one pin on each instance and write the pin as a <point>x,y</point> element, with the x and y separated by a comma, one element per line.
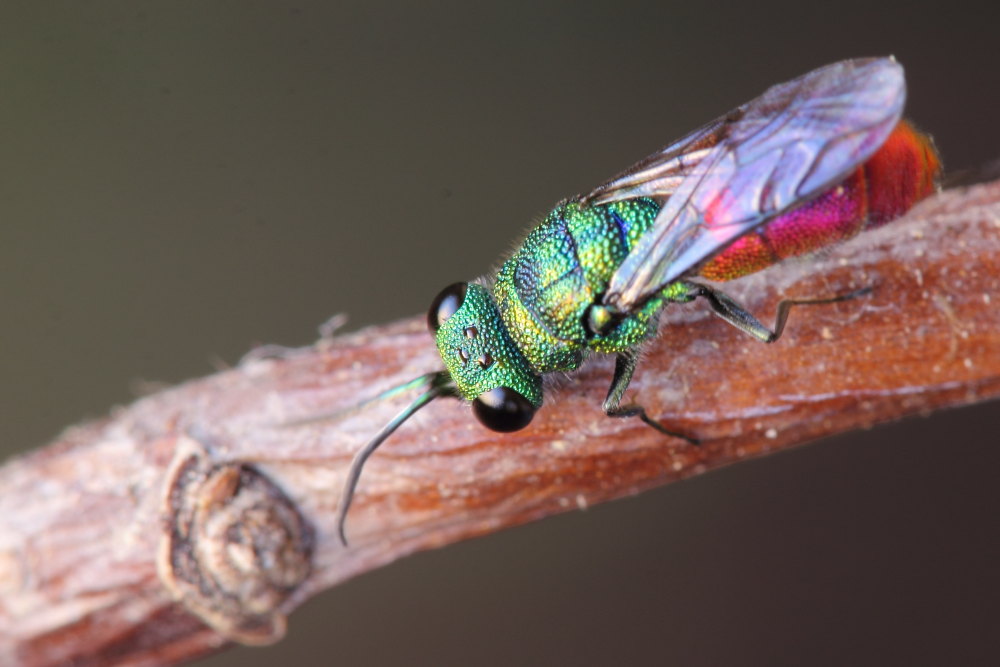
<point>534,322</point>
<point>563,267</point>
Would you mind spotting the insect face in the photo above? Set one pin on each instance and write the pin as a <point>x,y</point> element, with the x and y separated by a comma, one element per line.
<point>482,360</point>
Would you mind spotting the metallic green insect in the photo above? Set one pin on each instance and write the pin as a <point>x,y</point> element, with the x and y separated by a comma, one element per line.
<point>810,162</point>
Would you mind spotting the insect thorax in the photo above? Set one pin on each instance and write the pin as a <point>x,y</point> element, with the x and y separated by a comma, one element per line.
<point>546,288</point>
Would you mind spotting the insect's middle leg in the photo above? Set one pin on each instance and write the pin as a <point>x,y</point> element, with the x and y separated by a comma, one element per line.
<point>726,308</point>
<point>625,363</point>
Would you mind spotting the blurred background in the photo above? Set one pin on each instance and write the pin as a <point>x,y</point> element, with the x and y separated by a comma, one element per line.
<point>182,181</point>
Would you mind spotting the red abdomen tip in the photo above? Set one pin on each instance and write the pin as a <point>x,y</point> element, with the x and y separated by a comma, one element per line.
<point>901,173</point>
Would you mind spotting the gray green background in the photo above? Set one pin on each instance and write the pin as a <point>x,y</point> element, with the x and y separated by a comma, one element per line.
<point>180,181</point>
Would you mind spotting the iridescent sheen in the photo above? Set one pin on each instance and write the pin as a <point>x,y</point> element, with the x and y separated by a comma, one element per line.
<point>535,320</point>
<point>897,176</point>
<point>812,161</point>
<point>478,352</point>
<point>544,290</point>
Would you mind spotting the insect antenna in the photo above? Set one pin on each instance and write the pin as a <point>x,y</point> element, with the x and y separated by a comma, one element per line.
<point>439,384</point>
<point>338,414</point>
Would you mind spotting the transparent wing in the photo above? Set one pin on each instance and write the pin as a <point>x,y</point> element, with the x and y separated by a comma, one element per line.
<point>790,144</point>
<point>661,173</point>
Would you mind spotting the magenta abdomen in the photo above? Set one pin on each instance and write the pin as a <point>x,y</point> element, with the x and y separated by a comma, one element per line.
<point>901,173</point>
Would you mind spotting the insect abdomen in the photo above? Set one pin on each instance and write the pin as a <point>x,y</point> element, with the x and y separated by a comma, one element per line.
<point>544,290</point>
<point>897,176</point>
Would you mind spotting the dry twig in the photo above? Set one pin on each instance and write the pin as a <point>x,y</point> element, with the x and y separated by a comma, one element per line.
<point>209,503</point>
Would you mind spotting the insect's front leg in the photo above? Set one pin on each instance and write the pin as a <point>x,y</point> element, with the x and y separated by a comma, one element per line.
<point>726,308</point>
<point>625,363</point>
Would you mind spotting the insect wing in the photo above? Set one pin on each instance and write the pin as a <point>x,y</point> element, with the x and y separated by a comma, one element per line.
<point>661,173</point>
<point>790,144</point>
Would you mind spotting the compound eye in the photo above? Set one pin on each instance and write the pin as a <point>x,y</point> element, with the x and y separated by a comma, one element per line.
<point>503,410</point>
<point>445,305</point>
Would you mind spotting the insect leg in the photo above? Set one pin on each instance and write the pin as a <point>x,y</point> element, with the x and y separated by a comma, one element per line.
<point>625,363</point>
<point>726,308</point>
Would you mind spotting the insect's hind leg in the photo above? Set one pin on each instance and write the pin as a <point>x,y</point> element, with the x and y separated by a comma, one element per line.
<point>726,308</point>
<point>625,363</point>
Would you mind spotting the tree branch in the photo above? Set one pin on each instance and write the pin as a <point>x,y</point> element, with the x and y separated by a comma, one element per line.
<point>214,502</point>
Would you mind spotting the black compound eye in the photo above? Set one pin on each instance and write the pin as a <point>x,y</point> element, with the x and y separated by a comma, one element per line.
<point>445,305</point>
<point>503,410</point>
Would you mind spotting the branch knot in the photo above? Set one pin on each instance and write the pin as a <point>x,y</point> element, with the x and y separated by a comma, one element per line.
<point>234,546</point>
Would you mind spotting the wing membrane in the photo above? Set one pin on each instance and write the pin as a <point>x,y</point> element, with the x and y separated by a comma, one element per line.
<point>790,144</point>
<point>659,174</point>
